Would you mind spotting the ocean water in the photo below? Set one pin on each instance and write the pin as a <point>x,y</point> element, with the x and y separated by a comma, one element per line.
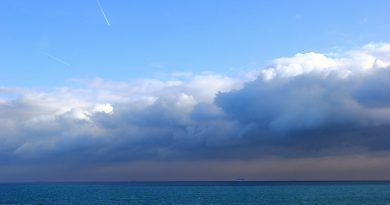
<point>267,193</point>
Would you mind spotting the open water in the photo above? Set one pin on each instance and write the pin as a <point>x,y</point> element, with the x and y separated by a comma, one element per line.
<point>224,193</point>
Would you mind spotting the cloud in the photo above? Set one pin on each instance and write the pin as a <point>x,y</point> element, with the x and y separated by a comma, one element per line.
<point>307,105</point>
<point>312,103</point>
<point>105,108</point>
<point>97,120</point>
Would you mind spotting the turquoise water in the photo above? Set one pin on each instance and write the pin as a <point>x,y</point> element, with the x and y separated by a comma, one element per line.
<point>267,193</point>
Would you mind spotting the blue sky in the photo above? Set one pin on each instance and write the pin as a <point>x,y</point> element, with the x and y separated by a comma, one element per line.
<point>194,90</point>
<point>149,37</point>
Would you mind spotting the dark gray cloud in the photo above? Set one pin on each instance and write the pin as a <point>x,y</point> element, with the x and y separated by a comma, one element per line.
<point>313,114</point>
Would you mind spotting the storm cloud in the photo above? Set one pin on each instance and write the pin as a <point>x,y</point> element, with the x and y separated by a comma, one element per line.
<point>307,105</point>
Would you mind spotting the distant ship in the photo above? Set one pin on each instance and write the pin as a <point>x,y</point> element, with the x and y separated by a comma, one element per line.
<point>241,180</point>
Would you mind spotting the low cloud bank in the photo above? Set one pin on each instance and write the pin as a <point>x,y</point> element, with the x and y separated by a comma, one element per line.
<point>310,104</point>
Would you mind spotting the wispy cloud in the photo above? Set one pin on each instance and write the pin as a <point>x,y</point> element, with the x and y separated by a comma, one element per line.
<point>103,13</point>
<point>57,59</point>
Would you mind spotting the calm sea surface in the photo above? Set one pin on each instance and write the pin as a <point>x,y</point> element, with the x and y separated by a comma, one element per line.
<point>333,193</point>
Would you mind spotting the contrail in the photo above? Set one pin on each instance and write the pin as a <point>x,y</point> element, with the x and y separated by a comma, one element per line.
<point>102,11</point>
<point>57,59</point>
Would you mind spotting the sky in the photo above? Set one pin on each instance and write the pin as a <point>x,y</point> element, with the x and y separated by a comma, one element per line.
<point>100,90</point>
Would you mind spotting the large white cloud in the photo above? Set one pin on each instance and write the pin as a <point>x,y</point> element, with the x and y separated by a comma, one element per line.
<point>356,62</point>
<point>300,105</point>
<point>102,115</point>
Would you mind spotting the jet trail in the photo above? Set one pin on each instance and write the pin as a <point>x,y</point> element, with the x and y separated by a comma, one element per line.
<point>102,11</point>
<point>57,59</point>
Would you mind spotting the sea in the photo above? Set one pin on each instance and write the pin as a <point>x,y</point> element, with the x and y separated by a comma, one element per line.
<point>192,193</point>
